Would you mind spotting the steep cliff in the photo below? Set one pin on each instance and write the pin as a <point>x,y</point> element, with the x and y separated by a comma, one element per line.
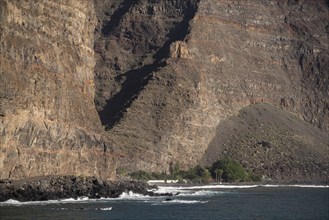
<point>169,73</point>
<point>138,92</point>
<point>90,86</point>
<point>48,122</point>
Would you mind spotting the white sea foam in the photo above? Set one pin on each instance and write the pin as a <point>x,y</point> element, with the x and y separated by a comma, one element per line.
<point>205,190</point>
<point>169,189</point>
<point>296,185</point>
<point>179,201</point>
<point>80,199</point>
<point>124,196</point>
<point>221,186</point>
<point>202,193</point>
<point>182,189</point>
<point>190,191</point>
<point>133,196</point>
<point>12,202</point>
<point>106,209</point>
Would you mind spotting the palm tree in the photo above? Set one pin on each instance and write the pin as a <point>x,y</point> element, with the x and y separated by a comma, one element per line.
<point>218,173</point>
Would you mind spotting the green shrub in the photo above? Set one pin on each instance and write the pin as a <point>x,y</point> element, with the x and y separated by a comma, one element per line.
<point>141,175</point>
<point>159,176</point>
<point>196,174</point>
<point>231,170</point>
<point>226,169</point>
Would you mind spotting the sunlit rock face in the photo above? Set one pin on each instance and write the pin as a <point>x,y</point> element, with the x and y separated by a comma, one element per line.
<point>48,121</point>
<point>91,86</point>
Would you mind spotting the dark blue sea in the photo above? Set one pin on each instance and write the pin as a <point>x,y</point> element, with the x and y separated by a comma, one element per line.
<point>198,202</point>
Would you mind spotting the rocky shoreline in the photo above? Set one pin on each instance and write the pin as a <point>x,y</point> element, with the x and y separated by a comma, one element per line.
<point>64,187</point>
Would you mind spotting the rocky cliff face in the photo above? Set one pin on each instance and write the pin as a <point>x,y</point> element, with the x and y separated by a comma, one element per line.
<point>169,77</point>
<point>202,62</point>
<point>48,122</point>
<point>133,72</point>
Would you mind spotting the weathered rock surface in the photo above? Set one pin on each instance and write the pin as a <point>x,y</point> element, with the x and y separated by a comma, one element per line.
<point>48,122</point>
<point>168,92</point>
<point>163,78</point>
<point>64,187</point>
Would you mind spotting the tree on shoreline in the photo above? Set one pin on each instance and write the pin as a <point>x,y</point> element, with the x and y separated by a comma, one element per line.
<point>230,170</point>
<point>225,169</point>
<point>219,173</point>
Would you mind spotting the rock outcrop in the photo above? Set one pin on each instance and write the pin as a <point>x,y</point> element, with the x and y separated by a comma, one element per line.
<point>65,187</point>
<point>87,87</point>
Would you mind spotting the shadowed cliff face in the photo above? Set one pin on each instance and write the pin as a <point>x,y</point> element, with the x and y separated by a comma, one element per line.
<point>128,59</point>
<point>87,87</point>
<point>134,38</point>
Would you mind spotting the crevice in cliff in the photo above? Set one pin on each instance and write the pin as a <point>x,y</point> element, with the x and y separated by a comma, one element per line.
<point>117,16</point>
<point>137,78</point>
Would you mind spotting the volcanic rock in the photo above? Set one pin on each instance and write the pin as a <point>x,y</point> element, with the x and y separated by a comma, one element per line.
<point>87,87</point>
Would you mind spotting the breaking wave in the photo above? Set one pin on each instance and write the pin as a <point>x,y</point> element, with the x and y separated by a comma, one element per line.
<point>106,209</point>
<point>133,196</point>
<point>12,202</point>
<point>178,201</point>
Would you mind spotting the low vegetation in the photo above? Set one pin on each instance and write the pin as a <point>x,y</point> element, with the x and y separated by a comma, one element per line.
<point>230,170</point>
<point>223,170</point>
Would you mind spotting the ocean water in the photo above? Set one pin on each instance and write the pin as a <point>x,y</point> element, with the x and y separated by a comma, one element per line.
<point>194,202</point>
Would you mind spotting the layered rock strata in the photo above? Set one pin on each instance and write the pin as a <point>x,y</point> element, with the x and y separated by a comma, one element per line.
<point>163,78</point>
<point>48,122</point>
<point>225,56</point>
